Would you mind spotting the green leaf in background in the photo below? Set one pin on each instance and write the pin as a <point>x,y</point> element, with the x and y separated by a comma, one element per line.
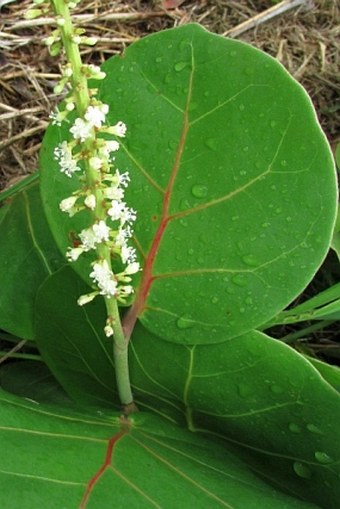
<point>278,413</point>
<point>329,372</point>
<point>28,255</point>
<point>32,379</point>
<point>67,459</point>
<point>231,176</point>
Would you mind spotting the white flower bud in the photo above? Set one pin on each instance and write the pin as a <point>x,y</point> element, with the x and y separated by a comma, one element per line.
<point>108,331</point>
<point>132,268</point>
<point>73,254</point>
<point>85,299</point>
<point>68,203</point>
<point>90,201</point>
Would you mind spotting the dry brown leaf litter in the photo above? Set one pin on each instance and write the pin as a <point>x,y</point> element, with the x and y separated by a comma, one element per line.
<point>305,39</point>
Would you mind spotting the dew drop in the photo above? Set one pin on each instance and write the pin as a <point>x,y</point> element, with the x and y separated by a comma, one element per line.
<point>245,149</point>
<point>159,59</point>
<point>185,322</point>
<point>314,429</point>
<point>250,260</point>
<point>211,143</point>
<point>302,470</point>
<point>199,191</point>
<point>235,218</point>
<point>244,390</point>
<point>283,162</point>
<point>294,428</point>
<point>322,457</point>
<point>276,389</point>
<point>193,106</point>
<point>191,252</point>
<point>239,280</point>
<point>273,123</point>
<point>241,107</point>
<point>214,300</point>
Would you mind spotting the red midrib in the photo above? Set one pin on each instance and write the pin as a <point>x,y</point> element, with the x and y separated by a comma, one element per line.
<point>107,462</point>
<point>131,316</point>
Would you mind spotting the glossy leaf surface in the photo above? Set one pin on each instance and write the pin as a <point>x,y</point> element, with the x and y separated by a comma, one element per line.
<point>231,176</point>
<point>28,255</point>
<point>63,458</point>
<point>260,395</point>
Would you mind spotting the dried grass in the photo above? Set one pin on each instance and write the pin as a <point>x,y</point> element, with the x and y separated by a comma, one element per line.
<point>304,36</point>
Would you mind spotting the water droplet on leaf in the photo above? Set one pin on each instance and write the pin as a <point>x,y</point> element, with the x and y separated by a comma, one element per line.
<point>199,191</point>
<point>294,428</point>
<point>239,280</point>
<point>302,470</point>
<point>314,429</point>
<point>323,457</point>
<point>185,322</point>
<point>211,143</point>
<point>250,260</point>
<point>276,389</point>
<point>244,390</point>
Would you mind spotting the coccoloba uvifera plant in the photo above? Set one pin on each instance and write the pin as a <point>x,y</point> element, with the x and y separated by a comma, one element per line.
<point>90,153</point>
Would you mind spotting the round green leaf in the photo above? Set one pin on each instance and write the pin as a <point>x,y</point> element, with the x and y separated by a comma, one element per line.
<point>231,176</point>
<point>59,457</point>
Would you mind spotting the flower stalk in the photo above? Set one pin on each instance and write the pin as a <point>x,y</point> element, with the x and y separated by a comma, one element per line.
<point>89,155</point>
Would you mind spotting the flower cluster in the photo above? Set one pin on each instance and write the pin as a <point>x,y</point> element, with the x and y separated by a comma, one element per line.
<point>113,218</point>
<point>90,154</point>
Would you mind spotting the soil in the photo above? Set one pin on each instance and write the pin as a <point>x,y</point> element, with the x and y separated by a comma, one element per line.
<point>302,34</point>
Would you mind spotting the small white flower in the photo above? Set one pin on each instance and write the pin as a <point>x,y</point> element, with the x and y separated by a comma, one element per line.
<point>63,154</point>
<point>67,204</point>
<point>54,117</point>
<point>101,231</point>
<point>118,130</point>
<point>90,201</point>
<point>108,330</point>
<point>81,130</point>
<point>116,210</point>
<point>126,290</point>
<point>73,254</point>
<point>95,115</point>
<point>88,239</point>
<point>111,145</point>
<point>85,299</point>
<point>114,193</point>
<point>95,163</point>
<point>103,276</point>
<point>127,216</point>
<point>122,179</point>
<point>132,268</point>
<point>70,106</point>
<point>128,254</point>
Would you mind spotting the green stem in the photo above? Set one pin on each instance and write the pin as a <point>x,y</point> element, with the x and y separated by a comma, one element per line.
<point>120,353</point>
<point>78,79</point>
<point>82,101</point>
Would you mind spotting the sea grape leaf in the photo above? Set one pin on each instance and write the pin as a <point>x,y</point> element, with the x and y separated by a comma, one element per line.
<point>28,255</point>
<point>264,398</point>
<point>64,458</point>
<point>231,176</point>
<point>329,372</point>
<point>32,379</point>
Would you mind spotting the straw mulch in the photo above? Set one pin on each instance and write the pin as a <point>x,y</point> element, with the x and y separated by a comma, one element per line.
<point>302,34</point>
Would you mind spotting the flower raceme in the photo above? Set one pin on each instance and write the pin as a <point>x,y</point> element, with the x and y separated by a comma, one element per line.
<point>115,229</point>
<point>89,155</point>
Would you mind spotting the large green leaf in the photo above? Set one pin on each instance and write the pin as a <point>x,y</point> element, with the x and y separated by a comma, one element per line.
<point>28,255</point>
<point>231,176</point>
<point>62,458</point>
<point>264,398</point>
